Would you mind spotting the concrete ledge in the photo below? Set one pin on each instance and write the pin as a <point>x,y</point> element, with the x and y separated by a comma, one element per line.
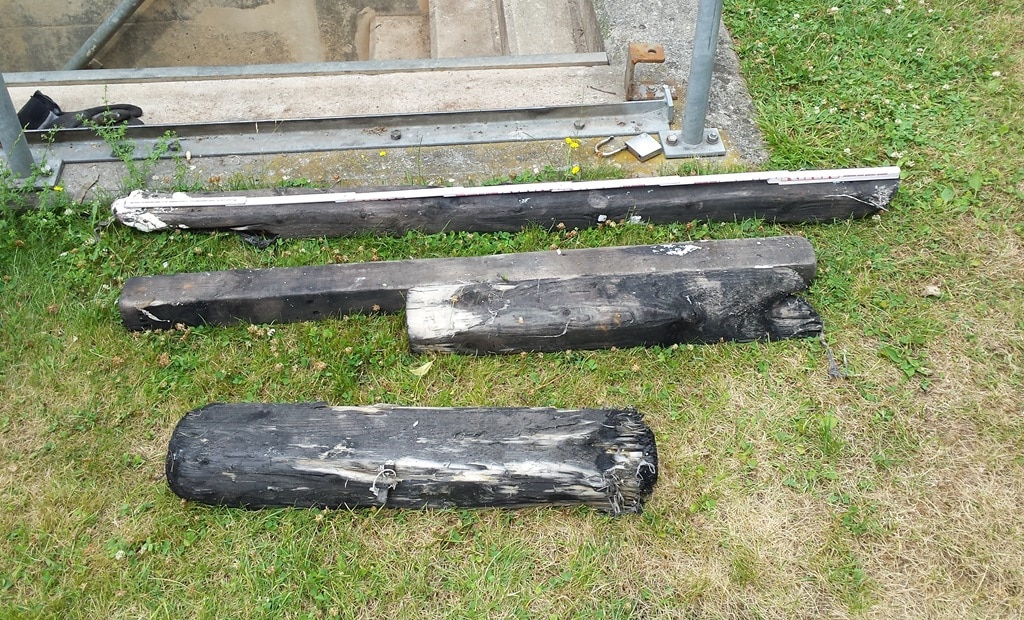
<point>346,94</point>
<point>362,67</point>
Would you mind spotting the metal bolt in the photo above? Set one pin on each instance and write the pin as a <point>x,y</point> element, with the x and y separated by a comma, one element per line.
<point>579,123</point>
<point>712,136</point>
<point>396,134</point>
<point>672,137</point>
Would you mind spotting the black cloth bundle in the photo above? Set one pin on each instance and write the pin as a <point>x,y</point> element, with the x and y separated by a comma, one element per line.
<point>42,112</point>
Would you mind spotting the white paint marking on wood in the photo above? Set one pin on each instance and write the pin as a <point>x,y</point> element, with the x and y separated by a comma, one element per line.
<point>140,218</point>
<point>151,201</point>
<point>676,250</point>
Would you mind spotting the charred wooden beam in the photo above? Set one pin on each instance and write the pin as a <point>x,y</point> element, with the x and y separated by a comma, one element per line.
<point>590,312</point>
<point>282,295</point>
<point>779,196</point>
<point>314,455</point>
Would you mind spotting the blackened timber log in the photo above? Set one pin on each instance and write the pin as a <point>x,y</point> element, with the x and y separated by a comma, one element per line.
<point>779,196</point>
<point>281,295</point>
<point>590,312</point>
<point>313,455</point>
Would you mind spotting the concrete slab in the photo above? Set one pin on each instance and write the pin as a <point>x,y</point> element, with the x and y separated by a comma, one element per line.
<point>462,28</point>
<point>539,27</point>
<point>399,37</point>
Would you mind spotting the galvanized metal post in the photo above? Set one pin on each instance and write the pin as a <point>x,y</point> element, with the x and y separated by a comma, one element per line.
<point>698,87</point>
<point>696,140</point>
<point>103,34</point>
<point>12,136</point>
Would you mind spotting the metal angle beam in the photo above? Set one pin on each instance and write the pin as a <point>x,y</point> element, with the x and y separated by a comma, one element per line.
<point>309,69</point>
<point>368,132</point>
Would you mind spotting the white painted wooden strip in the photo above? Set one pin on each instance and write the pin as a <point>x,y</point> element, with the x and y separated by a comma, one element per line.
<point>141,199</point>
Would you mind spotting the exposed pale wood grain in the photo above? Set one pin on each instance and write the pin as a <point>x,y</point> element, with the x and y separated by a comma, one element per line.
<point>596,312</point>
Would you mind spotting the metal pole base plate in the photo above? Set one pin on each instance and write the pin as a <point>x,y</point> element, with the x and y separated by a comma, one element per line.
<point>674,148</point>
<point>45,178</point>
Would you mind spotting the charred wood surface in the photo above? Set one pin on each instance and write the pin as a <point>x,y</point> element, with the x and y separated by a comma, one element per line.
<point>790,197</point>
<point>310,293</point>
<point>314,455</point>
<point>589,312</point>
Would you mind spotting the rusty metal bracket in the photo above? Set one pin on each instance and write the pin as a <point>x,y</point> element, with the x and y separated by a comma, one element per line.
<point>642,53</point>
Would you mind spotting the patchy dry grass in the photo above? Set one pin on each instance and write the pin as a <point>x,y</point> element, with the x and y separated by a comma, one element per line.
<point>893,492</point>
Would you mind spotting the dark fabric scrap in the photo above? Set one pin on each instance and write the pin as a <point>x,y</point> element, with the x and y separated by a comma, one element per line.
<point>42,112</point>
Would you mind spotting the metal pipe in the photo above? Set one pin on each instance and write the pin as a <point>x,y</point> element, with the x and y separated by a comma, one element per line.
<point>698,88</point>
<point>103,34</point>
<point>12,136</point>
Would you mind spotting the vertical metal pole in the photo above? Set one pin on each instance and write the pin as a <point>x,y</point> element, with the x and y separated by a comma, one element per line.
<point>99,38</point>
<point>698,88</point>
<point>12,136</point>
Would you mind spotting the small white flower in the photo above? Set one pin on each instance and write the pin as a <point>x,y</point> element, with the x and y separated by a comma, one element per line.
<point>888,11</point>
<point>796,16</point>
<point>945,87</point>
<point>833,10</point>
<point>847,150</point>
<point>997,73</point>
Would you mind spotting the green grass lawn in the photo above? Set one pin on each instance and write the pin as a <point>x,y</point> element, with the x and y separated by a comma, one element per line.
<point>896,491</point>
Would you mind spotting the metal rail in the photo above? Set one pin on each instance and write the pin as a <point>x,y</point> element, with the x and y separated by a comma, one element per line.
<point>368,132</point>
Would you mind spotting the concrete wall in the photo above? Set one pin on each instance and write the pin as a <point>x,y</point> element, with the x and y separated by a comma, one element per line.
<point>41,35</point>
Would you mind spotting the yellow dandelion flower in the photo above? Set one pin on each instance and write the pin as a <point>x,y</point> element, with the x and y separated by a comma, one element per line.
<point>575,170</point>
<point>382,153</point>
<point>58,188</point>
<point>573,143</point>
